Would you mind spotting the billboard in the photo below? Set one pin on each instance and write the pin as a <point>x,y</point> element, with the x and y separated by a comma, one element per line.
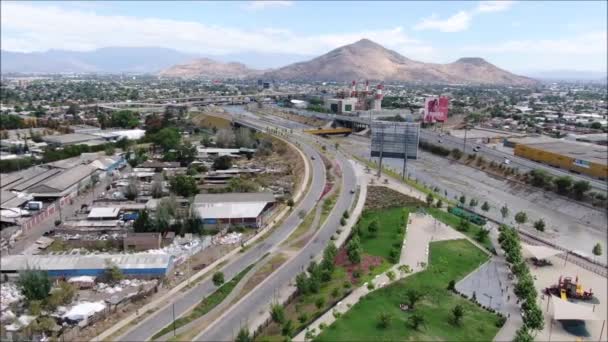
<point>395,139</point>
<point>436,109</point>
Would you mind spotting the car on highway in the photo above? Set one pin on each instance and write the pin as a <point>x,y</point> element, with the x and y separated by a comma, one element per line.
<point>476,148</point>
<point>352,191</point>
<point>312,157</point>
<point>507,161</point>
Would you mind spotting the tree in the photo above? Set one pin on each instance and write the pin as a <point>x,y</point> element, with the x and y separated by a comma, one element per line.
<point>540,178</point>
<point>277,313</point>
<point>412,296</point>
<point>384,320</point>
<point>523,335</point>
<point>504,212</point>
<point>482,234</point>
<point>225,138</point>
<point>439,204</point>
<point>239,184</point>
<point>462,200</point>
<point>287,329</point>
<point>222,163</point>
<point>456,153</point>
<point>521,217</point>
<point>485,206</point>
<point>353,250</point>
<point>62,295</point>
<point>579,188</point>
<point>391,275</point>
<point>539,225</point>
<point>184,185</point>
<point>464,224</point>
<point>132,189</point>
<point>243,336</point>
<point>184,154</point>
<point>113,273</point>
<point>124,119</point>
<point>157,186</point>
<point>167,138</point>
<point>244,138</point>
<point>415,321</point>
<point>429,199</point>
<point>218,278</point>
<point>473,203</point>
<point>302,283</point>
<point>563,184</point>
<point>34,284</point>
<point>290,203</point>
<point>597,249</point>
<point>457,314</point>
<point>372,228</point>
<point>534,319</point>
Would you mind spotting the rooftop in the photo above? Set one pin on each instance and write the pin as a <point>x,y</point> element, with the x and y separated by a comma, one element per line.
<point>103,213</point>
<point>578,150</point>
<point>234,197</point>
<point>72,138</point>
<point>76,262</point>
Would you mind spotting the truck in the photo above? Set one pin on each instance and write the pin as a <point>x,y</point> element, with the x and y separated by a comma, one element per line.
<point>467,214</point>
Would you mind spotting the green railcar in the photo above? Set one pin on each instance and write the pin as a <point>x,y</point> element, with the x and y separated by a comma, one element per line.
<point>461,212</point>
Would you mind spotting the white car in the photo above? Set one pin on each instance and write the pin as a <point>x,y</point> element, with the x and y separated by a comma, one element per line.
<point>507,161</point>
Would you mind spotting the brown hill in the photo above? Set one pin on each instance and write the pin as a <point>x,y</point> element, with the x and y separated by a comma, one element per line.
<point>205,67</point>
<point>366,59</point>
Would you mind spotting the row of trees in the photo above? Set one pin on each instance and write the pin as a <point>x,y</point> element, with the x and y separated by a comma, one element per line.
<point>562,185</point>
<point>524,288</point>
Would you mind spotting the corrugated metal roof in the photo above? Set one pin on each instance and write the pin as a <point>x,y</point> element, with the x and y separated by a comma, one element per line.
<point>22,186</point>
<point>103,212</point>
<point>70,177</point>
<point>235,197</point>
<point>75,262</point>
<point>230,210</point>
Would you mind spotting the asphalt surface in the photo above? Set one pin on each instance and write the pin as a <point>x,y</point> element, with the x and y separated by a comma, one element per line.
<point>260,298</point>
<point>163,317</point>
<point>499,156</point>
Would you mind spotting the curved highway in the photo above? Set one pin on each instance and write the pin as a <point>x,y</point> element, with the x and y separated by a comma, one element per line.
<point>259,298</point>
<point>164,316</point>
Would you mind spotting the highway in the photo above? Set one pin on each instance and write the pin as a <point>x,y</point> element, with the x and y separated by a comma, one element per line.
<point>523,164</point>
<point>161,318</point>
<point>259,299</point>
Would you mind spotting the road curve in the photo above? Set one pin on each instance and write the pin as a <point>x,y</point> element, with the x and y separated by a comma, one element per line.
<point>260,297</point>
<point>161,318</point>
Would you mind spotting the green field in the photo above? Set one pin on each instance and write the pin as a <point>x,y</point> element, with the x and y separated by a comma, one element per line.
<point>449,260</point>
<point>390,222</point>
<point>454,221</point>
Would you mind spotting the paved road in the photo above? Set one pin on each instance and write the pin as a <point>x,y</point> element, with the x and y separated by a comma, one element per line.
<point>260,298</point>
<point>499,156</point>
<point>161,318</point>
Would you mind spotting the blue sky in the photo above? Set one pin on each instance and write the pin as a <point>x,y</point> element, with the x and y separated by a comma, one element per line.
<point>519,36</point>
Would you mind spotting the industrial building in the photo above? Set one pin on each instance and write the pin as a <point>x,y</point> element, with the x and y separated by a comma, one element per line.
<point>341,106</point>
<point>243,209</point>
<point>355,99</point>
<point>143,265</point>
<point>577,157</point>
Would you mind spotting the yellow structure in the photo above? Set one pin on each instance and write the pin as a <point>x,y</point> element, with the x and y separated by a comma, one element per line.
<point>329,131</point>
<point>587,159</point>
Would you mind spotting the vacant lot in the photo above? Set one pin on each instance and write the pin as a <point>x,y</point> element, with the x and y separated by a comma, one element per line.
<point>449,260</point>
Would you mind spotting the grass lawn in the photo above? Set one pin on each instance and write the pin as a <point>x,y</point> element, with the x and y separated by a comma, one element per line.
<point>390,222</point>
<point>449,260</point>
<point>454,221</point>
<point>205,305</point>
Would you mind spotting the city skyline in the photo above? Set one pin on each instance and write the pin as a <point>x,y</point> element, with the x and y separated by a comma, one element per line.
<point>518,36</point>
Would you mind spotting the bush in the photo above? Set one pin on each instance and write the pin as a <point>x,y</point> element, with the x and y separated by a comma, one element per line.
<point>57,223</point>
<point>319,302</point>
<point>218,278</point>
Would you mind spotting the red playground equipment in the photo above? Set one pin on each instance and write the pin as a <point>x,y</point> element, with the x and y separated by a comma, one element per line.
<point>567,289</point>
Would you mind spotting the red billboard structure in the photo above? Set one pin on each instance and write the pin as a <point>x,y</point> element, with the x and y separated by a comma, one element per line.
<point>436,109</point>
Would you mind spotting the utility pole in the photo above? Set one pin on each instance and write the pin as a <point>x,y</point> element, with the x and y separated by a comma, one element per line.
<point>464,145</point>
<point>404,152</point>
<point>381,150</point>
<point>173,319</point>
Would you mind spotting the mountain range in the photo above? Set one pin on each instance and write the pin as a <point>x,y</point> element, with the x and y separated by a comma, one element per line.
<point>364,59</point>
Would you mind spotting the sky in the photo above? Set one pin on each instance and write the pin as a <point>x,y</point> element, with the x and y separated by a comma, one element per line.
<point>515,35</point>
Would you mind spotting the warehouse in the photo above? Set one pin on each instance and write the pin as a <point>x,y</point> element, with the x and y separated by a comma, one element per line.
<point>223,210</point>
<point>577,157</point>
<point>141,265</point>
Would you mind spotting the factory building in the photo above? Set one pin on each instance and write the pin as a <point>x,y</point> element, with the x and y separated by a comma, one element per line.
<point>143,265</point>
<point>341,106</point>
<point>577,157</point>
<point>233,209</point>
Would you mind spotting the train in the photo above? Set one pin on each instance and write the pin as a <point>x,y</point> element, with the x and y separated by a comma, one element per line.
<point>467,214</point>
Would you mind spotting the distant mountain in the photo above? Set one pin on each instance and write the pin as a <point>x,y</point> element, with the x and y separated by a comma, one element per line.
<point>569,75</point>
<point>258,60</point>
<point>366,59</point>
<point>205,67</point>
<point>105,60</point>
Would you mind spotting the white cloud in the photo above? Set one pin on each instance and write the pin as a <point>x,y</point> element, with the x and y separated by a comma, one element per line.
<point>456,23</point>
<point>461,20</point>
<point>27,27</point>
<point>588,49</point>
<point>494,6</point>
<point>262,4</point>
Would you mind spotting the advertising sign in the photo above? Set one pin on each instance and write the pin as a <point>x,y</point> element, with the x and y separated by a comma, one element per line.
<point>395,139</point>
<point>436,109</point>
